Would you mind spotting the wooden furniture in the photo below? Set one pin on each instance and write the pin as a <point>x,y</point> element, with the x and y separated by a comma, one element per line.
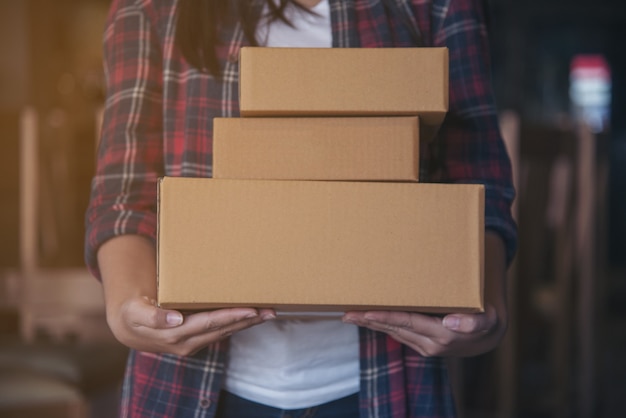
<point>66,353</point>
<point>60,302</point>
<point>547,363</point>
<point>562,192</point>
<point>25,394</point>
<point>506,354</point>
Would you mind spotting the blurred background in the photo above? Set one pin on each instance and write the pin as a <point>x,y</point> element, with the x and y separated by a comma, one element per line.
<point>559,71</point>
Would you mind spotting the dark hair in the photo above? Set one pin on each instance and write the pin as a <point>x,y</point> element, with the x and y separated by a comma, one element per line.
<point>198,23</point>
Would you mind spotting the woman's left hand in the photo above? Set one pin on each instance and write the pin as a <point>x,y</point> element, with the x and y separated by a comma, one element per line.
<point>453,335</point>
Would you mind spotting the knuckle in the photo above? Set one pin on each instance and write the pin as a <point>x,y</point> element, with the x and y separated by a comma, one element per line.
<point>432,350</point>
<point>172,340</point>
<point>210,325</point>
<point>406,324</point>
<point>446,340</point>
<point>225,333</point>
<point>152,319</point>
<point>126,315</point>
<point>390,329</point>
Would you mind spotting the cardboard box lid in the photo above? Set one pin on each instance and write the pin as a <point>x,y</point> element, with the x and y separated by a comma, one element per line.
<point>345,81</point>
<point>376,148</point>
<point>320,245</point>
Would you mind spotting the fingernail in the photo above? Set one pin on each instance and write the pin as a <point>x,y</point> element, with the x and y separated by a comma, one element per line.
<point>349,319</point>
<point>268,316</point>
<point>251,315</point>
<point>174,318</point>
<point>451,322</point>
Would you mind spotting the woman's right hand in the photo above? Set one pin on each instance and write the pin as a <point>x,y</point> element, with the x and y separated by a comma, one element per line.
<point>128,268</point>
<point>141,325</point>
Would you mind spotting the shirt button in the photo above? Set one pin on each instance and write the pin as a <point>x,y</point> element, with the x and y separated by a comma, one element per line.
<point>205,403</point>
<point>234,57</point>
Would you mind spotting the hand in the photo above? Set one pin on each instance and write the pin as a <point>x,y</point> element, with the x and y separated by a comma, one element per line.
<point>127,264</point>
<point>453,335</point>
<point>141,325</point>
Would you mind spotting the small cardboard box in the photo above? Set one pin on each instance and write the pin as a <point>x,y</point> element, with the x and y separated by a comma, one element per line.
<point>320,246</point>
<point>376,148</point>
<point>345,82</point>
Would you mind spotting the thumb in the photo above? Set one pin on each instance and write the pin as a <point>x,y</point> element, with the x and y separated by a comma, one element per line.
<point>471,323</point>
<point>172,318</point>
<point>147,314</point>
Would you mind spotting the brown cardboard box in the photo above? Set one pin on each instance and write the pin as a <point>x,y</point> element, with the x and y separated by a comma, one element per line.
<point>376,148</point>
<point>320,246</point>
<point>345,81</point>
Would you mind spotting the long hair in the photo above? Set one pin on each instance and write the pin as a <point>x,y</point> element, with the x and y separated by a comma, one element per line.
<point>198,23</point>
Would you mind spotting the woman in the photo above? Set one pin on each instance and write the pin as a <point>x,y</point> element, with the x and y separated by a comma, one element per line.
<point>171,68</point>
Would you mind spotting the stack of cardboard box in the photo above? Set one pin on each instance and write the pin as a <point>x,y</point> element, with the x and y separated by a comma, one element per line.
<point>315,203</point>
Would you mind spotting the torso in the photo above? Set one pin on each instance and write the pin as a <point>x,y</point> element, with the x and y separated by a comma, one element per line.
<point>293,364</point>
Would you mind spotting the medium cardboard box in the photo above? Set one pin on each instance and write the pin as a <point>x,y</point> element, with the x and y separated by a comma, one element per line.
<point>376,148</point>
<point>320,246</point>
<point>345,82</point>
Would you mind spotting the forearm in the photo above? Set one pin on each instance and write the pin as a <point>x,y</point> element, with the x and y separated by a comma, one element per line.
<point>495,277</point>
<point>127,263</point>
<point>469,146</point>
<point>130,162</point>
<point>128,267</point>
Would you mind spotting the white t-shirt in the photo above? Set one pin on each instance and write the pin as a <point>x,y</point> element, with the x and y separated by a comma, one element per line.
<point>310,30</point>
<point>288,363</point>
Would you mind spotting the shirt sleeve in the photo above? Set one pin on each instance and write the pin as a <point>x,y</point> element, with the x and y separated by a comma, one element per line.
<point>130,152</point>
<point>469,147</point>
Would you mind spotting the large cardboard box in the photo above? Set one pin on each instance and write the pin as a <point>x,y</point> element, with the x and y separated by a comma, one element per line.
<point>376,148</point>
<point>320,246</point>
<point>345,81</point>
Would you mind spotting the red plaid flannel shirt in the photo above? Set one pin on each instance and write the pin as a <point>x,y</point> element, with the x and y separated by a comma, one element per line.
<point>159,119</point>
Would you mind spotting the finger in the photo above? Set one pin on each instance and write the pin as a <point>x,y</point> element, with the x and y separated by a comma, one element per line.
<point>202,329</point>
<point>399,332</point>
<point>214,324</point>
<point>202,340</point>
<point>143,313</point>
<point>215,321</point>
<point>472,323</point>
<point>267,314</point>
<point>427,325</point>
<point>424,345</point>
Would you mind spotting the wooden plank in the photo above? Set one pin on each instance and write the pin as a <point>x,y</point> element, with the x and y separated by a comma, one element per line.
<point>507,377</point>
<point>585,255</point>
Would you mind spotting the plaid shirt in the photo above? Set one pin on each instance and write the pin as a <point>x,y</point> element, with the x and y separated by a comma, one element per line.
<point>159,119</point>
